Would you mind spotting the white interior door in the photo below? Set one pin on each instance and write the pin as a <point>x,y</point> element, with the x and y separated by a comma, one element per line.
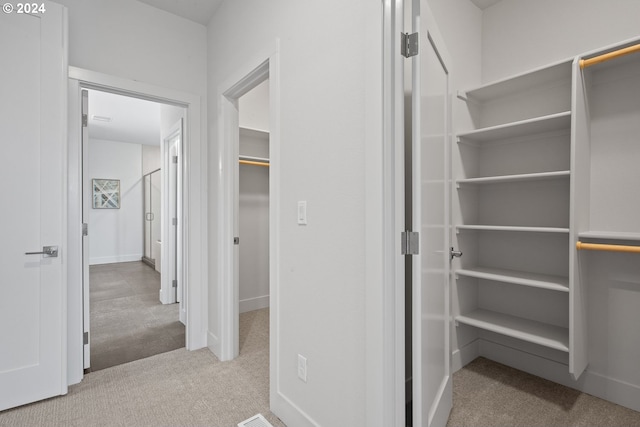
<point>432,389</point>
<point>33,126</point>
<point>171,206</point>
<point>86,206</point>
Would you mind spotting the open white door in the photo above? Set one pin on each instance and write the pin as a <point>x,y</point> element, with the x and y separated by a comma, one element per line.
<point>432,388</point>
<point>86,207</point>
<point>33,217</point>
<point>171,282</point>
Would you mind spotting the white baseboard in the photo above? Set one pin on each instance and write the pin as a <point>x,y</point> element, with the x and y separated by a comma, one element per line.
<point>289,412</point>
<point>464,356</point>
<point>596,384</point>
<point>115,258</point>
<point>256,303</point>
<point>213,343</point>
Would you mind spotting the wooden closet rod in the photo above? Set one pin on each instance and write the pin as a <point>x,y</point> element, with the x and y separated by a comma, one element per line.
<point>253,163</point>
<point>608,248</point>
<point>584,63</point>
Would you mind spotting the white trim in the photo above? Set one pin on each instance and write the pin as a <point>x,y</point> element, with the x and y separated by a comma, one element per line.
<point>384,160</point>
<point>114,258</point>
<point>251,304</point>
<point>194,197</point>
<point>75,326</point>
<point>463,356</point>
<point>169,247</point>
<point>253,73</point>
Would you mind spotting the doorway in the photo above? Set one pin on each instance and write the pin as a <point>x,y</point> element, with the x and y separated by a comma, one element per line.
<point>253,212</point>
<point>130,208</point>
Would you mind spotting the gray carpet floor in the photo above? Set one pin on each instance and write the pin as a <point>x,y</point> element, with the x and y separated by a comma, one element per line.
<point>128,322</point>
<point>486,393</point>
<point>178,388</point>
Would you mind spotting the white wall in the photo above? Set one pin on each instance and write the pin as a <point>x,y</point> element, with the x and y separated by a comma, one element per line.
<point>254,108</point>
<point>519,35</point>
<point>322,293</point>
<point>116,234</point>
<point>150,158</point>
<point>132,40</point>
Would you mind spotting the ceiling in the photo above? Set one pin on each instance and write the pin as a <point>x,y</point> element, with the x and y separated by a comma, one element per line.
<point>483,4</point>
<point>131,120</point>
<point>200,11</point>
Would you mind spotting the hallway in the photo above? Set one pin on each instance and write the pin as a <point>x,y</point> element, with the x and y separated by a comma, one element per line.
<point>178,388</point>
<point>128,322</point>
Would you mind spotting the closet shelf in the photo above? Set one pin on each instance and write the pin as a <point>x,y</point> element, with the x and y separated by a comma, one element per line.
<point>609,235</point>
<point>538,125</point>
<point>519,83</point>
<point>513,228</point>
<point>527,330</point>
<point>543,281</point>
<point>539,176</point>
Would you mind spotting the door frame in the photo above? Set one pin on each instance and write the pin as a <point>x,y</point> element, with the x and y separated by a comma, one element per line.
<point>263,67</point>
<point>195,255</point>
<point>171,261</point>
<point>387,306</point>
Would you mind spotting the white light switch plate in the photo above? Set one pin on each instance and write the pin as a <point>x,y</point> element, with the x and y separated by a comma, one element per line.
<point>302,212</point>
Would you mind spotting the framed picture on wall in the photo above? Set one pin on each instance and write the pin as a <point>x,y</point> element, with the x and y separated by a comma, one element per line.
<point>106,194</point>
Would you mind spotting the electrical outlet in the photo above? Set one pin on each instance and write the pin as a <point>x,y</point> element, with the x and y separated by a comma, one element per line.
<point>302,368</point>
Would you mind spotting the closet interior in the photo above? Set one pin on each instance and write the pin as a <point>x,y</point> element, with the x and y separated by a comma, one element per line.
<point>253,219</point>
<point>552,161</point>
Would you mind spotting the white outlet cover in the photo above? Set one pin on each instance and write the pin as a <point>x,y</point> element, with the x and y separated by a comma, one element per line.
<point>302,368</point>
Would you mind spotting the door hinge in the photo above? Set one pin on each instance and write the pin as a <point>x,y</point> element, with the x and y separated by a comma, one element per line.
<point>174,221</point>
<point>174,283</point>
<point>454,254</point>
<point>174,159</point>
<point>85,229</point>
<point>410,243</point>
<point>86,338</point>
<point>85,120</point>
<point>408,44</point>
<point>236,240</point>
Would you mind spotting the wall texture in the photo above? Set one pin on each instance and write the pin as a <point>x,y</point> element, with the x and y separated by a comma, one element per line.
<point>519,35</point>
<point>116,234</point>
<point>322,292</point>
<point>132,40</point>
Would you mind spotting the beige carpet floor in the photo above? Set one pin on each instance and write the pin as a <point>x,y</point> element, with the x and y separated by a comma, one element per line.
<point>488,394</point>
<point>128,322</point>
<point>178,388</point>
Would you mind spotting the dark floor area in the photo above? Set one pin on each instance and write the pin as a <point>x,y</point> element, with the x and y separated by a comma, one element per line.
<point>128,322</point>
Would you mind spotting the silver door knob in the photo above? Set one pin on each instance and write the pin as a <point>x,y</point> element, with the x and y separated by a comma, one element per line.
<point>47,252</point>
<point>455,254</point>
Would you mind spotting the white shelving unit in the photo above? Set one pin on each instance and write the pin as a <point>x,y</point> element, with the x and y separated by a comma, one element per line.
<point>552,159</point>
<point>513,192</point>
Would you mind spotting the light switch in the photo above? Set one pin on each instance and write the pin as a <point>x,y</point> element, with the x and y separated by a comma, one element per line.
<point>302,213</point>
